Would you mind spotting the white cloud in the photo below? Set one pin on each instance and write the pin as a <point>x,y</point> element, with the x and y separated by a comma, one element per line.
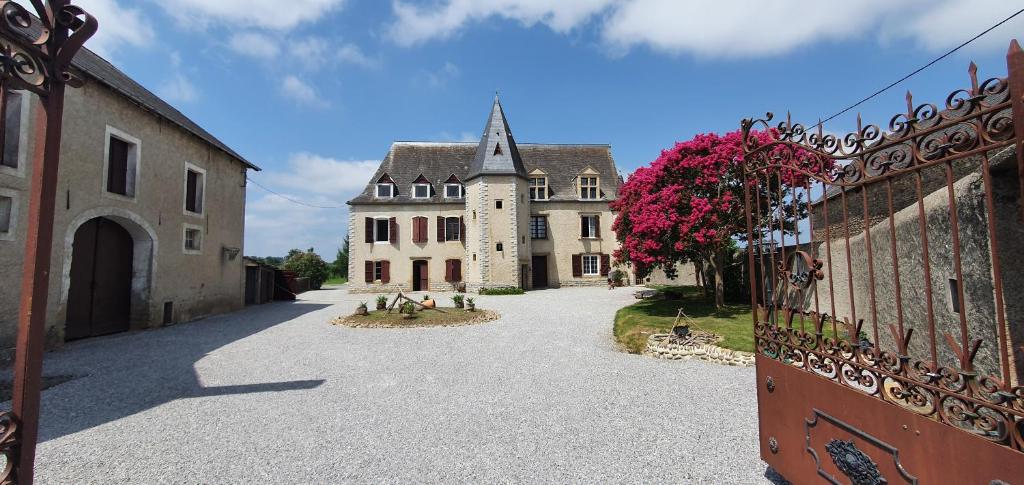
<point>269,14</point>
<point>296,89</point>
<point>254,44</point>
<point>178,88</point>
<point>713,28</point>
<point>465,136</point>
<point>119,26</point>
<point>274,225</point>
<point>440,77</point>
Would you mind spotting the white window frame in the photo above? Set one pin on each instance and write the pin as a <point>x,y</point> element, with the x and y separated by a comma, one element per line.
<point>417,186</point>
<point>596,261</point>
<point>458,230</point>
<point>15,197</point>
<point>378,270</point>
<point>376,232</point>
<point>201,189</point>
<point>184,238</point>
<point>591,226</point>
<point>134,163</point>
<point>23,138</point>
<point>462,191</point>
<point>391,190</point>
<point>543,185</point>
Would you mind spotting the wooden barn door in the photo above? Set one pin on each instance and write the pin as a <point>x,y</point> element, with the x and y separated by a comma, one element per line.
<point>99,299</point>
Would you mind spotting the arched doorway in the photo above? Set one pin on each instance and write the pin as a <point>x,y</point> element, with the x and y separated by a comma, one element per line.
<point>100,293</point>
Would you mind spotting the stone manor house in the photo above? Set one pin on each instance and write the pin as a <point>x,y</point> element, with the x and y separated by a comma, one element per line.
<point>150,214</point>
<point>436,215</point>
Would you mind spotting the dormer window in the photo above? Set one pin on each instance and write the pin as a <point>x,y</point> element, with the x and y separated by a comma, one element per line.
<point>453,191</point>
<point>453,188</point>
<point>538,188</point>
<point>385,191</point>
<point>589,188</point>
<point>421,188</point>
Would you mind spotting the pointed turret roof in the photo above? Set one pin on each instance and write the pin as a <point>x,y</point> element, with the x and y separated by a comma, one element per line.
<point>497,153</point>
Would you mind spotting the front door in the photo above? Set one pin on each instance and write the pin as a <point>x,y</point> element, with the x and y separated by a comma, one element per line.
<point>420,276</point>
<point>99,298</point>
<point>540,271</point>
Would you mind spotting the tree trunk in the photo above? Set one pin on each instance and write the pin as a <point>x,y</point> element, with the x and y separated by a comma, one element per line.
<point>715,261</point>
<point>698,272</point>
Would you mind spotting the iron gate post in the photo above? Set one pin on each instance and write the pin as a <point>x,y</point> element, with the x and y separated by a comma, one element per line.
<point>39,64</point>
<point>1015,77</point>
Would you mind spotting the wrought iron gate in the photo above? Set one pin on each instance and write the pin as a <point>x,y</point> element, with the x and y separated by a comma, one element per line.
<point>889,338</point>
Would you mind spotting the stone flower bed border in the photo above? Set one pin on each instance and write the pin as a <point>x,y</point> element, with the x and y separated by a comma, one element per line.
<point>661,346</point>
<point>357,321</point>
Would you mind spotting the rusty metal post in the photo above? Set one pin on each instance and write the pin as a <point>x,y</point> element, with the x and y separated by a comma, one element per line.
<point>1015,78</point>
<point>42,61</point>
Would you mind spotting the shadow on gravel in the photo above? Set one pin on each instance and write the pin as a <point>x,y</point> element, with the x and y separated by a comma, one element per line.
<point>130,373</point>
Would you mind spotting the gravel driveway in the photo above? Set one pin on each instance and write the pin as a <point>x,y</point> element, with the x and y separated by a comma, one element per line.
<point>275,394</point>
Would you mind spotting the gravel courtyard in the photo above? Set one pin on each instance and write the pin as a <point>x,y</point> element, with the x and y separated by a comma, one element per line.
<point>276,394</point>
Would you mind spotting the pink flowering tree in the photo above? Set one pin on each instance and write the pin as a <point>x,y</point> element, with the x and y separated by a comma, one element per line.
<point>687,206</point>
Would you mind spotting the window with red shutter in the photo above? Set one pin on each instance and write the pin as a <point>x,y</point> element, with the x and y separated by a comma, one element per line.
<point>462,230</point>
<point>385,271</point>
<point>393,230</point>
<point>423,229</point>
<point>577,265</point>
<point>456,270</point>
<point>369,272</point>
<point>605,264</point>
<point>440,228</point>
<point>369,229</point>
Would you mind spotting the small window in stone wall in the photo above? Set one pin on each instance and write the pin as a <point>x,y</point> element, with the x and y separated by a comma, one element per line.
<point>954,296</point>
<point>500,247</point>
<point>6,213</point>
<point>497,204</point>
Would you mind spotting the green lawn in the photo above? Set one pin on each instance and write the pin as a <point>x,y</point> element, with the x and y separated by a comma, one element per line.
<point>336,280</point>
<point>633,324</point>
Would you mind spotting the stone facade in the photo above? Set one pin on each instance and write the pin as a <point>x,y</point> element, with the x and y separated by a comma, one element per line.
<point>169,284</point>
<point>502,241</point>
<point>852,297</point>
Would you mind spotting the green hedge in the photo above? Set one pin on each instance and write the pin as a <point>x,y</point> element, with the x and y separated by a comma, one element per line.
<point>504,290</point>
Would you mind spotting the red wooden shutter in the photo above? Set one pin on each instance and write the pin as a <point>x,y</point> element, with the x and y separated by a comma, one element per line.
<point>462,231</point>
<point>606,264</point>
<point>440,229</point>
<point>583,226</point>
<point>448,270</point>
<point>393,230</point>
<point>369,229</point>
<point>385,271</point>
<point>577,265</point>
<point>369,271</point>
<point>423,230</point>
<point>415,229</point>
<point>597,227</point>
<point>456,270</point>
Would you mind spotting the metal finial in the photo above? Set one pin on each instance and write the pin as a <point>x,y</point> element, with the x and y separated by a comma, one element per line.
<point>972,69</point>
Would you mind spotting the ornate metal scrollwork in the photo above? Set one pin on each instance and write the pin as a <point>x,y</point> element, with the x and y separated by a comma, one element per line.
<point>854,463</point>
<point>31,52</point>
<point>9,441</point>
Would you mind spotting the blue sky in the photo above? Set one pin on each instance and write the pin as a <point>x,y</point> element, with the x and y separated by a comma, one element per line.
<point>314,91</point>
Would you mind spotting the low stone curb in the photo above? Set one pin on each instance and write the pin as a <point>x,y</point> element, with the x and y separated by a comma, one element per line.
<point>355,321</point>
<point>659,346</point>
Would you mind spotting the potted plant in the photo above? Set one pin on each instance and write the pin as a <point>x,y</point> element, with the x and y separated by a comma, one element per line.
<point>361,309</point>
<point>408,310</point>
<point>382,302</point>
<point>459,301</point>
<point>470,304</point>
<point>427,302</point>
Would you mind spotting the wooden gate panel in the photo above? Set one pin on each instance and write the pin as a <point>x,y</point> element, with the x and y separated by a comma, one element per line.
<point>112,276</point>
<point>83,261</point>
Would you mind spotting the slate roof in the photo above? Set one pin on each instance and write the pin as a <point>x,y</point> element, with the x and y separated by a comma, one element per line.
<point>497,153</point>
<point>437,161</point>
<point>97,68</point>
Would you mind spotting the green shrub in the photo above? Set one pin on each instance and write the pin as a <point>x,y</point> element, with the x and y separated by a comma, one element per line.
<point>502,290</point>
<point>308,264</point>
<point>458,300</point>
<point>408,307</point>
<point>382,299</point>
